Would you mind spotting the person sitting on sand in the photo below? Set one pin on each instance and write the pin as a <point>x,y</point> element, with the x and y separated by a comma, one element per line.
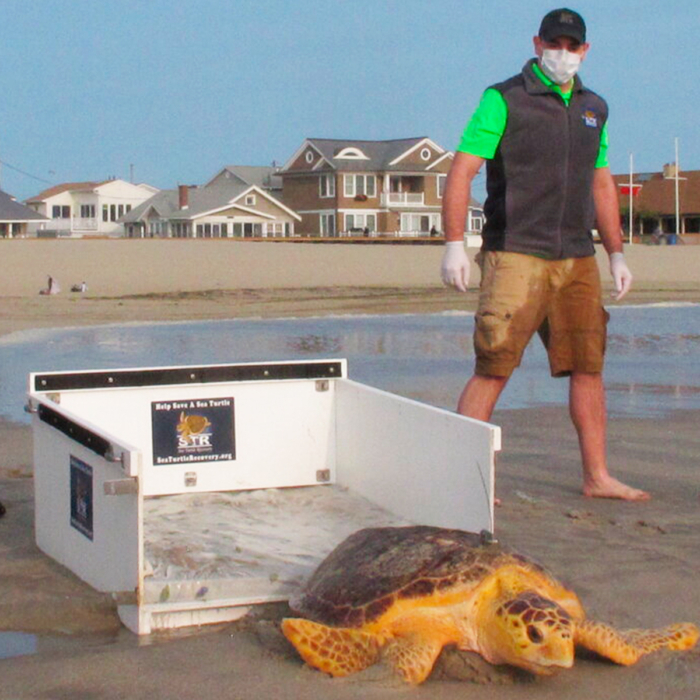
<point>52,287</point>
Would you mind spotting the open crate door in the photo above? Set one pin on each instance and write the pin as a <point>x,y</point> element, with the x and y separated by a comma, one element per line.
<point>428,465</point>
<point>87,503</point>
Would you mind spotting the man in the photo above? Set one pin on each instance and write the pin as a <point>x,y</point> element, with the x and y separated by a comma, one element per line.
<point>544,137</point>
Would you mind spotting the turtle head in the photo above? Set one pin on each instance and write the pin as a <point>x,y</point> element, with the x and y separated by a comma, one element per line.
<point>530,632</point>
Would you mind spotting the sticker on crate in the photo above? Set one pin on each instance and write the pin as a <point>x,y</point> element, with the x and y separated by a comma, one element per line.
<point>193,430</point>
<point>81,499</point>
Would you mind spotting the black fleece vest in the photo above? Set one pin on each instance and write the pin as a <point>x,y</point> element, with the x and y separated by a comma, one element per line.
<point>539,183</point>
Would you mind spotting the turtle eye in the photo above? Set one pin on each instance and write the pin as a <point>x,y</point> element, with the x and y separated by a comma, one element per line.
<point>534,634</point>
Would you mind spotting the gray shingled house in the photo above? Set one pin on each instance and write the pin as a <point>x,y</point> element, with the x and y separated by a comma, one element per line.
<point>14,217</point>
<point>238,202</point>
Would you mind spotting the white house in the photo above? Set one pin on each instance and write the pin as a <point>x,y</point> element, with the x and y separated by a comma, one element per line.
<point>80,209</point>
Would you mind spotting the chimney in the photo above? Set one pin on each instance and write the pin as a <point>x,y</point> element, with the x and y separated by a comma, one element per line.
<point>670,171</point>
<point>183,192</point>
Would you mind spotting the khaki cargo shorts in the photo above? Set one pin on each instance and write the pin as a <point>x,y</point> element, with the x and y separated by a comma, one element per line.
<point>560,299</point>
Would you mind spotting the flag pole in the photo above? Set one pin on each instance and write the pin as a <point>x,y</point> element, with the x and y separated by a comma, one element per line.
<point>678,208</point>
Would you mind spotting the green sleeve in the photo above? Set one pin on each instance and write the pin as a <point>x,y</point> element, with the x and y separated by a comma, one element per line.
<point>484,131</point>
<point>602,161</point>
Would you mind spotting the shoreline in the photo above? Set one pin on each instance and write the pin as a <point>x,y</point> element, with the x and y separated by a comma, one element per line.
<point>22,313</point>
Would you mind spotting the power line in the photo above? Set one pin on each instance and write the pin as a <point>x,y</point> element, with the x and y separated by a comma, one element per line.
<point>19,170</point>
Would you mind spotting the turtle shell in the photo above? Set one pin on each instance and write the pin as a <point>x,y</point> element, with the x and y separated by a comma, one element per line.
<point>370,570</point>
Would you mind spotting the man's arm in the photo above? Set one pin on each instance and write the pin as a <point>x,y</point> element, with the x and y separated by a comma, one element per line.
<point>607,210</point>
<point>457,195</point>
<point>455,205</point>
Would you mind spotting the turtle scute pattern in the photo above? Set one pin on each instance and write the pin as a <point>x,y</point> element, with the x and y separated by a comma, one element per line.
<point>413,562</point>
<point>402,594</point>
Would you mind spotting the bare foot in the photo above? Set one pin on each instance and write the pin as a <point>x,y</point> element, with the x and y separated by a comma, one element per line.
<point>612,488</point>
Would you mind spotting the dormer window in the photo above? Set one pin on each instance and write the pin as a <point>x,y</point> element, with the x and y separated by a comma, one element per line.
<point>351,153</point>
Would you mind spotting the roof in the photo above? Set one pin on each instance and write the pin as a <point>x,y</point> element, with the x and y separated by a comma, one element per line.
<point>264,176</point>
<point>65,187</point>
<point>201,200</point>
<point>12,210</point>
<point>380,155</point>
<point>164,203</point>
<point>658,193</point>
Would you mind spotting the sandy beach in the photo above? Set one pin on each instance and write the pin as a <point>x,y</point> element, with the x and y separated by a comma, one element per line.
<point>633,565</point>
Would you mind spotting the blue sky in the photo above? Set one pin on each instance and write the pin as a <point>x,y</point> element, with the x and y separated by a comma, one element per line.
<point>178,89</point>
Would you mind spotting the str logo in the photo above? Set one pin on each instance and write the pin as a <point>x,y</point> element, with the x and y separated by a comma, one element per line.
<point>590,118</point>
<point>191,431</point>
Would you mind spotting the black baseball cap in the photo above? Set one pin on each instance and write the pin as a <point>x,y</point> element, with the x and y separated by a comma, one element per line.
<point>563,22</point>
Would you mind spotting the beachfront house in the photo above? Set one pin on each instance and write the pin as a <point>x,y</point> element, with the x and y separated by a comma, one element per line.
<point>230,205</point>
<point>653,198</point>
<point>15,218</point>
<point>79,209</point>
<point>370,188</point>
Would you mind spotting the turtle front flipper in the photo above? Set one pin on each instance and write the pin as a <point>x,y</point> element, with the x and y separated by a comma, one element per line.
<point>335,650</point>
<point>413,657</point>
<point>627,646</point>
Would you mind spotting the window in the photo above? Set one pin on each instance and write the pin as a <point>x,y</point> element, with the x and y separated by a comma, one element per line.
<point>475,220</point>
<point>309,156</point>
<point>360,184</point>
<point>359,222</point>
<point>224,230</point>
<point>327,225</point>
<point>327,186</point>
<point>87,211</point>
<point>441,179</point>
<point>274,230</point>
<point>351,153</point>
<point>426,154</point>
<point>105,212</point>
<point>112,212</point>
<point>60,212</point>
<point>250,200</point>
<point>419,223</point>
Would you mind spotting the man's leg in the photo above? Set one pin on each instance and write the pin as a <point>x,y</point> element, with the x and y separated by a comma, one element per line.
<point>480,395</point>
<point>588,413</point>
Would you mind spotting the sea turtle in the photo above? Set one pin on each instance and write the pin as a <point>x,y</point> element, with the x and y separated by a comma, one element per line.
<point>403,593</point>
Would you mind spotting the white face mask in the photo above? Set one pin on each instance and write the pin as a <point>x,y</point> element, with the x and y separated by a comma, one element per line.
<point>560,65</point>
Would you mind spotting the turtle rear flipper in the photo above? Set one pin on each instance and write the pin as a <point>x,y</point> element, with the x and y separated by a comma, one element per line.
<point>335,650</point>
<point>627,646</point>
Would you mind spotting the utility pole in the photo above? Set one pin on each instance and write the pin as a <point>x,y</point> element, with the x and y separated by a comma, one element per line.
<point>631,197</point>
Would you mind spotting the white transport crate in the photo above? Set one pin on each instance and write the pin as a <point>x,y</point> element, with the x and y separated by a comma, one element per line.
<point>192,493</point>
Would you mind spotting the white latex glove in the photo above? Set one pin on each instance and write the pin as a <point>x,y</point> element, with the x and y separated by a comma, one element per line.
<point>455,266</point>
<point>622,277</point>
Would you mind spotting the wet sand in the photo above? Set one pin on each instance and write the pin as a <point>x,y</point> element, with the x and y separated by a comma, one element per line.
<point>632,564</point>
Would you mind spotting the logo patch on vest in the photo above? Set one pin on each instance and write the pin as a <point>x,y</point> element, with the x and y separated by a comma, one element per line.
<point>590,118</point>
